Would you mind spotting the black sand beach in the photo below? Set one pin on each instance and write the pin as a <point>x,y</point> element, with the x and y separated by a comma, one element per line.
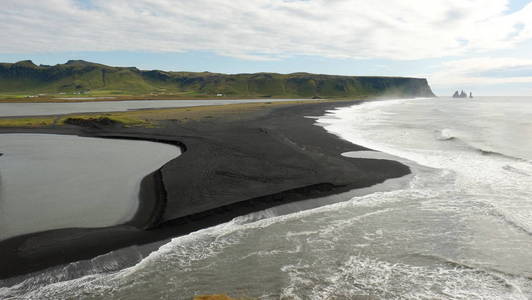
<point>232,164</point>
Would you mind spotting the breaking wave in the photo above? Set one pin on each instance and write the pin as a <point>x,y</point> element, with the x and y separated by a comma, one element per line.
<point>459,228</point>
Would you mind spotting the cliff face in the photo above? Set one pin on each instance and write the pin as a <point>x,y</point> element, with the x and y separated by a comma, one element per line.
<point>75,76</point>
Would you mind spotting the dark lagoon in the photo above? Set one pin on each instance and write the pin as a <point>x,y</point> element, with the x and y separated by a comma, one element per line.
<point>61,181</point>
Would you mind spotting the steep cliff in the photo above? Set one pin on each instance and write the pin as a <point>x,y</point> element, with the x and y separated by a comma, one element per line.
<point>82,76</point>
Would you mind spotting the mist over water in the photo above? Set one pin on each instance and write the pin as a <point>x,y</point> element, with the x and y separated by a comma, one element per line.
<point>461,228</point>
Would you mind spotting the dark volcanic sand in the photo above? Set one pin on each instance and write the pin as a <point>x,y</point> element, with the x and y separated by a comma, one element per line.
<point>229,167</point>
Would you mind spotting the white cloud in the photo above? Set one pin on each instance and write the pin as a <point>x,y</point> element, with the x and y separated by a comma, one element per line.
<point>483,71</point>
<point>266,29</point>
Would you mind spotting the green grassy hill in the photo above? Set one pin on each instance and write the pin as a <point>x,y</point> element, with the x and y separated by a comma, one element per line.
<point>78,76</point>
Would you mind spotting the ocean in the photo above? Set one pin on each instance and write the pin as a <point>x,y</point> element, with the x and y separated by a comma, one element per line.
<point>460,227</point>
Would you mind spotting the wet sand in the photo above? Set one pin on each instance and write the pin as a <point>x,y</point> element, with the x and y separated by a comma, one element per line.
<point>232,164</point>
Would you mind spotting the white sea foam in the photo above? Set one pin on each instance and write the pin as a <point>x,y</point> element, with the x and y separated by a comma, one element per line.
<point>405,136</point>
<point>361,276</point>
<point>460,228</point>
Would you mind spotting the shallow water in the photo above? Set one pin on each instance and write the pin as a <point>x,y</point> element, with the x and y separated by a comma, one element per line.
<point>43,109</point>
<point>61,181</point>
<point>460,229</point>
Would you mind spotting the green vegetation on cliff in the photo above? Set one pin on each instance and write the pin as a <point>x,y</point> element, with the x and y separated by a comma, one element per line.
<point>78,76</point>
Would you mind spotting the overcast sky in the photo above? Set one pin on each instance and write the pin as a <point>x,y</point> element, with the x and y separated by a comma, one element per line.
<point>479,45</point>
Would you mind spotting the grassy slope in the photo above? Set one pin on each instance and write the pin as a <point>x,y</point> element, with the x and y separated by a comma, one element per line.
<point>26,78</point>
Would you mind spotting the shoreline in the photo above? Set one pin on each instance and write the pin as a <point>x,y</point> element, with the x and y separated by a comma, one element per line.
<point>255,161</point>
<point>147,98</point>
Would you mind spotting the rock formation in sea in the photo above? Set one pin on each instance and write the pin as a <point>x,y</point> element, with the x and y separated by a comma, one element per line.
<point>462,94</point>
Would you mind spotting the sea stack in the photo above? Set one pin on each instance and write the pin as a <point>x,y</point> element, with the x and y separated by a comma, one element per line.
<point>462,94</point>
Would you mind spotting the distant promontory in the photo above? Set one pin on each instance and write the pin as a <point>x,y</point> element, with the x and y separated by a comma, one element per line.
<point>81,77</point>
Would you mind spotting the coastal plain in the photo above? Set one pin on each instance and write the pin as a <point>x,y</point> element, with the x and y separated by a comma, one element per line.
<point>236,159</point>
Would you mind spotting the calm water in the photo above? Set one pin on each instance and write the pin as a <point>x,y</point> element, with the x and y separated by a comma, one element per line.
<point>460,229</point>
<point>42,109</point>
<point>59,181</point>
